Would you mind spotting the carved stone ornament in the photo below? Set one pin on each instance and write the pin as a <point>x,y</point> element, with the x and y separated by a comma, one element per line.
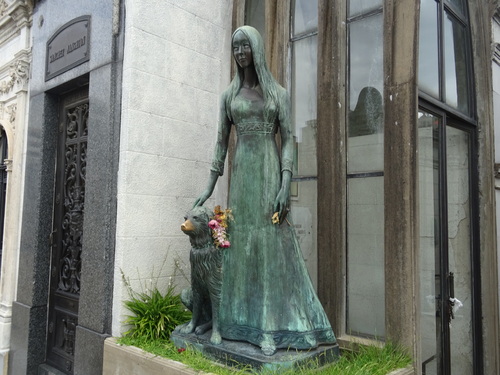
<point>496,53</point>
<point>8,165</point>
<point>19,74</point>
<point>3,7</point>
<point>11,110</point>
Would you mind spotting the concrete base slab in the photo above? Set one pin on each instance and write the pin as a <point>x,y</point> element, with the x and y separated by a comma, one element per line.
<point>129,360</point>
<point>233,353</point>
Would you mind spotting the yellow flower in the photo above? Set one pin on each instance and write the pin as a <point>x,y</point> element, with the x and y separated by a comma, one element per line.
<point>275,218</point>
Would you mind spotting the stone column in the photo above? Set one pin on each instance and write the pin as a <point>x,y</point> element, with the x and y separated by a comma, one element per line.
<point>400,174</point>
<point>15,128</point>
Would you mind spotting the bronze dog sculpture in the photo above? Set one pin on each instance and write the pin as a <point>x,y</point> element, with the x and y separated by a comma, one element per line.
<point>203,298</point>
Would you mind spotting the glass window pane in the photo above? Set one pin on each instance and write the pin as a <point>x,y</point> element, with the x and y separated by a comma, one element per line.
<point>304,91</point>
<point>456,74</point>
<point>459,4</point>
<point>365,257</point>
<point>428,63</point>
<point>255,15</point>
<point>303,202</point>
<point>428,163</point>
<point>459,249</point>
<point>304,191</point>
<point>305,16</point>
<point>365,122</point>
<point>357,7</point>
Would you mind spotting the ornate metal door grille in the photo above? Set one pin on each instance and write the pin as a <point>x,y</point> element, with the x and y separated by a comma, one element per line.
<point>67,232</point>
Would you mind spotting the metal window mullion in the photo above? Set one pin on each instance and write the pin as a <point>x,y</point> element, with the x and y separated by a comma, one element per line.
<point>365,15</point>
<point>452,9</point>
<point>444,247</point>
<point>477,347</point>
<point>441,57</point>
<point>303,36</point>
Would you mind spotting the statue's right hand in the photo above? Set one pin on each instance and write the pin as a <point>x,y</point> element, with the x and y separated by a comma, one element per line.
<point>202,198</point>
<point>208,191</point>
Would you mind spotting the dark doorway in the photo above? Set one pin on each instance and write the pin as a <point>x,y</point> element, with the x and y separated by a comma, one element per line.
<point>67,230</point>
<point>3,185</point>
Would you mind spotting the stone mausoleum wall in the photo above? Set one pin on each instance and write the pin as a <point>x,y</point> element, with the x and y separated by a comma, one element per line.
<point>15,58</point>
<point>176,64</point>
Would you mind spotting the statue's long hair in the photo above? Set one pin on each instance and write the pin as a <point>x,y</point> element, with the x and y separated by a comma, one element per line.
<point>270,88</point>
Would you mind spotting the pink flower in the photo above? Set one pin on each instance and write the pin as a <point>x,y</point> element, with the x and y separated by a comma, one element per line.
<point>213,224</point>
<point>219,225</point>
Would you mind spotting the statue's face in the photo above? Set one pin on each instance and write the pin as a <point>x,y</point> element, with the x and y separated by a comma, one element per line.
<point>242,51</point>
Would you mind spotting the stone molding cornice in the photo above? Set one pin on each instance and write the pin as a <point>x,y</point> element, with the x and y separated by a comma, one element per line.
<point>17,73</point>
<point>13,17</point>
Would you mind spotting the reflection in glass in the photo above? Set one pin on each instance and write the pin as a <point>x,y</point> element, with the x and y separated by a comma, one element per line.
<point>365,257</point>
<point>305,16</point>
<point>459,249</point>
<point>368,115</point>
<point>428,163</point>
<point>304,85</point>
<point>428,67</point>
<point>365,121</point>
<point>455,63</point>
<point>255,15</point>
<point>357,7</point>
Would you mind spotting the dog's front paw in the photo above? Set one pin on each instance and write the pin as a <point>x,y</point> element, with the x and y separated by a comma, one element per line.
<point>216,339</point>
<point>188,328</point>
<point>200,330</point>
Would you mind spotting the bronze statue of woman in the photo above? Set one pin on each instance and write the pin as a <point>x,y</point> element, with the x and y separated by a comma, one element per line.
<point>267,296</point>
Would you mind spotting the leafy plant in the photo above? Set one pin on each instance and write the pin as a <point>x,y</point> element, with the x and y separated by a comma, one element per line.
<point>154,315</point>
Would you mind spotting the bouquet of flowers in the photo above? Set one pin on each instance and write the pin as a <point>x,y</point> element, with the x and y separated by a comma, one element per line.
<point>219,224</point>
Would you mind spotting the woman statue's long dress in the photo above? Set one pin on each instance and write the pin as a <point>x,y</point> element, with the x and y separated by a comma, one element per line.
<point>267,296</point>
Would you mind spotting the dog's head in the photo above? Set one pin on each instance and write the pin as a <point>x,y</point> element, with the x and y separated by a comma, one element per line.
<point>196,221</point>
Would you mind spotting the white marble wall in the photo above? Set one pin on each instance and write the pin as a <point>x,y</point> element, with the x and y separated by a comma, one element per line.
<point>15,57</point>
<point>176,64</point>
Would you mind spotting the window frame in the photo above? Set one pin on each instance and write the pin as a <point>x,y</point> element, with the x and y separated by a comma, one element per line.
<point>444,8</point>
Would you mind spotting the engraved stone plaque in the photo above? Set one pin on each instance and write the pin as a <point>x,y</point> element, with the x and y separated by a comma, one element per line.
<point>68,47</point>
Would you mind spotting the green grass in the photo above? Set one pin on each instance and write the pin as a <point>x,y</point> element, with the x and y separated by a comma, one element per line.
<point>367,360</point>
<point>192,358</point>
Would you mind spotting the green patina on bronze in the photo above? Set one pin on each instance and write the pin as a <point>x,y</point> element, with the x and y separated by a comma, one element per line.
<point>267,297</point>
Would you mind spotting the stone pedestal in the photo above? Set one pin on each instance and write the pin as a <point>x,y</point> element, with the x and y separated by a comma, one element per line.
<point>233,353</point>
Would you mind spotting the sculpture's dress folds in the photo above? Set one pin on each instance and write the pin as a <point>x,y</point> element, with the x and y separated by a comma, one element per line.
<point>266,291</point>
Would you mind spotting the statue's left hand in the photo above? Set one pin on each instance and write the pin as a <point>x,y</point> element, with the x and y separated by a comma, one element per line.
<point>281,203</point>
